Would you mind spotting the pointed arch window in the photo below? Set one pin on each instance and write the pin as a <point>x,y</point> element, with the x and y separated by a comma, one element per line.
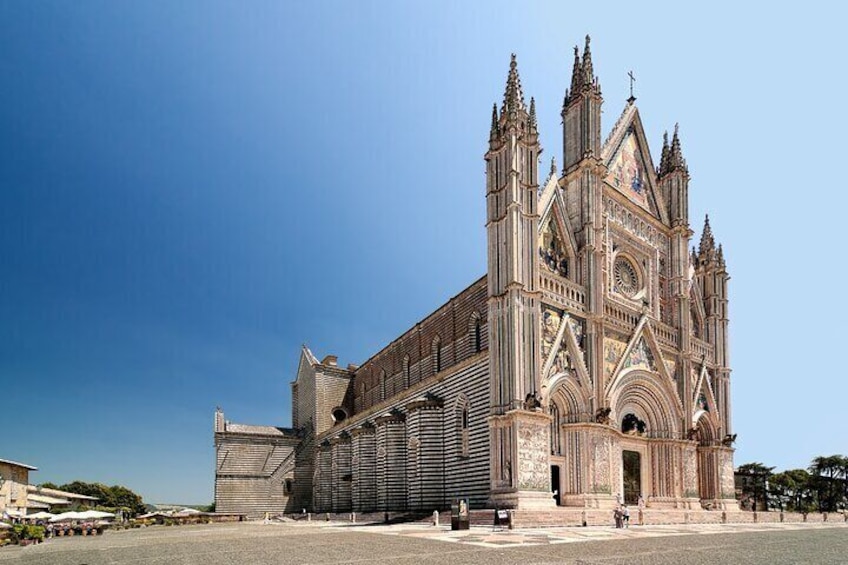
<point>475,333</point>
<point>382,385</point>
<point>461,416</point>
<point>406,373</point>
<point>436,353</point>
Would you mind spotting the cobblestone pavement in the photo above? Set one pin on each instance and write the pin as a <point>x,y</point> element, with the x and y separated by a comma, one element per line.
<point>318,543</point>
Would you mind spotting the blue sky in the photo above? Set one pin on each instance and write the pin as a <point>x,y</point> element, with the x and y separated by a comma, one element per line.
<point>192,190</point>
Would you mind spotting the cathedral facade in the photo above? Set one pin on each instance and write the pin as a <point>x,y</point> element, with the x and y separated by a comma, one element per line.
<point>588,367</point>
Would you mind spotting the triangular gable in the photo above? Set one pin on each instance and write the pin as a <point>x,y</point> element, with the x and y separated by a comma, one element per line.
<point>556,241</point>
<point>564,337</point>
<point>631,170</point>
<point>704,397</point>
<point>643,343</point>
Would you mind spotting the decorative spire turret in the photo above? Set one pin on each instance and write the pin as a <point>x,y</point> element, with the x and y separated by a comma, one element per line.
<point>676,160</point>
<point>532,113</point>
<point>666,156</point>
<point>576,75</point>
<point>588,71</point>
<point>706,251</point>
<point>720,257</point>
<point>513,96</point>
<point>493,132</point>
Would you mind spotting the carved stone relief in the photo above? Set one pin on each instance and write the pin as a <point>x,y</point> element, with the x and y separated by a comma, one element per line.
<point>533,469</point>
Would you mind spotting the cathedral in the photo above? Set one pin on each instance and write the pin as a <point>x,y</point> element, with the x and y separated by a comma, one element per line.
<point>588,367</point>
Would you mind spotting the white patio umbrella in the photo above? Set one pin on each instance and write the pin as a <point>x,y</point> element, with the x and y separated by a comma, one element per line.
<point>39,516</point>
<point>65,516</point>
<point>94,515</point>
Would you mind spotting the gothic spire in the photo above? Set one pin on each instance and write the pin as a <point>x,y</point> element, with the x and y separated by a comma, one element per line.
<point>513,96</point>
<point>588,71</point>
<point>720,257</point>
<point>666,155</point>
<point>576,74</point>
<point>532,112</point>
<point>707,239</point>
<point>676,160</point>
<point>493,132</point>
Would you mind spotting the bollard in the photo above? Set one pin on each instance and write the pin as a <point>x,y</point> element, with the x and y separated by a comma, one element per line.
<point>436,518</point>
<point>353,517</point>
<point>781,516</point>
<point>723,517</point>
<point>756,518</point>
<point>309,517</point>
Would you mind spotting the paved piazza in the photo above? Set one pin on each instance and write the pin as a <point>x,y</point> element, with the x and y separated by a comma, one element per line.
<point>324,543</point>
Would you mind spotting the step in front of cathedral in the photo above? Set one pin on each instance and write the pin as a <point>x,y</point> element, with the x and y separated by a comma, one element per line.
<point>579,517</point>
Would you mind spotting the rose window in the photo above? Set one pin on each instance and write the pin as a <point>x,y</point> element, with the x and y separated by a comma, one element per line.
<point>625,276</point>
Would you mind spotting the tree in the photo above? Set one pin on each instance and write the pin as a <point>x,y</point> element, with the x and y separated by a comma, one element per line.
<point>754,485</point>
<point>791,489</point>
<point>829,481</point>
<point>116,496</point>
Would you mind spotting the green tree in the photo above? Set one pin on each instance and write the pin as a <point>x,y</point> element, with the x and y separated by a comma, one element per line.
<point>828,478</point>
<point>48,485</point>
<point>791,490</point>
<point>754,480</point>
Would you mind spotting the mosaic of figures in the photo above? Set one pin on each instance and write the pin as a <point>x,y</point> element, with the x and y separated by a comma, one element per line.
<point>670,365</point>
<point>635,226</point>
<point>577,328</point>
<point>552,251</point>
<point>551,321</point>
<point>612,353</point>
<point>627,172</point>
<point>702,402</point>
<point>640,357</point>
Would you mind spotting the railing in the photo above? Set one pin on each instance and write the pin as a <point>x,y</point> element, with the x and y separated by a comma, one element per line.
<point>702,349</point>
<point>563,292</point>
<point>666,334</point>
<point>619,317</point>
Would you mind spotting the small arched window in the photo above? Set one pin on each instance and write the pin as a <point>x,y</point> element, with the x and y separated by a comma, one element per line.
<point>436,352</point>
<point>382,385</point>
<point>406,373</point>
<point>475,333</point>
<point>462,426</point>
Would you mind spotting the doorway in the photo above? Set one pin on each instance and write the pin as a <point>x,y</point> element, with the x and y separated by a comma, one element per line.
<point>555,487</point>
<point>632,466</point>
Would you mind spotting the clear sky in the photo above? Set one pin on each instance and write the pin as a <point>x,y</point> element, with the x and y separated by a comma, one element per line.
<point>191,190</point>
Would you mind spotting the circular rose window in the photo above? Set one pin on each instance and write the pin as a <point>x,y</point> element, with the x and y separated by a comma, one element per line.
<point>626,277</point>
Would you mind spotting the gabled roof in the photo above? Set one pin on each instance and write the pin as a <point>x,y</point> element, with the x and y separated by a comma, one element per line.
<point>16,464</point>
<point>54,492</point>
<point>630,123</point>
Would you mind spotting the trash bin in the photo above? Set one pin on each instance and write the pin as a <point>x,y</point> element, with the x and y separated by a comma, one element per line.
<point>459,514</point>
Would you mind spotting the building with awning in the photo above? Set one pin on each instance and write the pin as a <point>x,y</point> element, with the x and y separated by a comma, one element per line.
<point>59,499</point>
<point>14,479</point>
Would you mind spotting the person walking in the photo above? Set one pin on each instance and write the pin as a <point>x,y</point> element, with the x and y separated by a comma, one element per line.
<point>625,514</point>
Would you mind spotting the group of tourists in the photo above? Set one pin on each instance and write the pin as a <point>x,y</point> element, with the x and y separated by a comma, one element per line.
<point>621,513</point>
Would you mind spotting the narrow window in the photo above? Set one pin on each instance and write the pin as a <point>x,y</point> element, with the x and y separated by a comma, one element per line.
<point>478,336</point>
<point>464,433</point>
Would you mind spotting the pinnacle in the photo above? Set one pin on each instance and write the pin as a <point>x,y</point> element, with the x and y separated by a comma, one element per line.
<point>677,160</point>
<point>707,239</point>
<point>666,155</point>
<point>532,112</point>
<point>494,131</point>
<point>576,74</point>
<point>513,96</point>
<point>588,70</point>
<point>553,165</point>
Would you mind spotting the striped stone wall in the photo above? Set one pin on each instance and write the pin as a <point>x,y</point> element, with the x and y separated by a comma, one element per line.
<point>408,453</point>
